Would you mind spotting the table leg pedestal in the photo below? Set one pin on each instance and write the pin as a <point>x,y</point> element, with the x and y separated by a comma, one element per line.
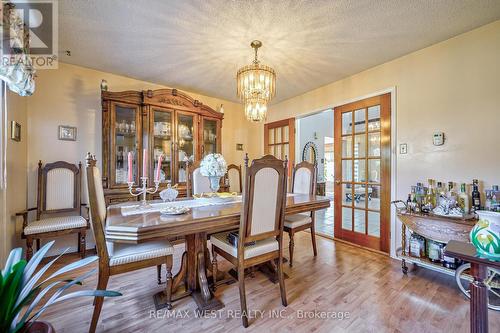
<point>478,299</point>
<point>203,296</point>
<point>192,277</point>
<point>267,268</point>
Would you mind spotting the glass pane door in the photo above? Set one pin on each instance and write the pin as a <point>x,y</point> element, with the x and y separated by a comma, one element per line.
<point>162,143</point>
<point>279,142</point>
<point>186,143</point>
<point>124,140</point>
<point>362,189</point>
<point>209,137</point>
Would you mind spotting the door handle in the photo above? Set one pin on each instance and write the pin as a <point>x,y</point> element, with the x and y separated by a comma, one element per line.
<point>337,182</point>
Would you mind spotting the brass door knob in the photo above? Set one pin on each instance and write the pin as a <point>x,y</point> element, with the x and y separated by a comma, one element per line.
<point>337,182</point>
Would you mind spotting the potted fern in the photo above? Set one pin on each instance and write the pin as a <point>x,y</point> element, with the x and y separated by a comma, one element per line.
<point>22,290</point>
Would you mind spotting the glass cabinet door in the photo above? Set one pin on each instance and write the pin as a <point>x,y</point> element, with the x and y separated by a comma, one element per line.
<point>124,139</point>
<point>186,143</point>
<point>162,130</point>
<point>210,137</point>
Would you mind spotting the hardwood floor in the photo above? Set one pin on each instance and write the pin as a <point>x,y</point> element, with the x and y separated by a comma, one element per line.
<point>369,287</point>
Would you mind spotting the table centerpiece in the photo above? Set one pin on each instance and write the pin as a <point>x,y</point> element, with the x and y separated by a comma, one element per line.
<point>214,167</point>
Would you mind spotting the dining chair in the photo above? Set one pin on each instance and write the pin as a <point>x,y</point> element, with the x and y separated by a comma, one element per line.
<point>196,183</point>
<point>303,181</point>
<point>234,178</point>
<point>58,210</point>
<point>118,258</point>
<point>261,225</point>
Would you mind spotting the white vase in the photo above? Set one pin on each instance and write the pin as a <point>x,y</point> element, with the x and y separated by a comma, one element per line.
<point>214,183</point>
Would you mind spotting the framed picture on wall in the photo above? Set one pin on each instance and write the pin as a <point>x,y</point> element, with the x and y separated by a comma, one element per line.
<point>15,131</point>
<point>67,133</point>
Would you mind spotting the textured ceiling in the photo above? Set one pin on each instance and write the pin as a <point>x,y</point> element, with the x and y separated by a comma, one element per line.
<point>198,45</point>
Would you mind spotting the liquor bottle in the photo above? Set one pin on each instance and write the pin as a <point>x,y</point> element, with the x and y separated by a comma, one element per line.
<point>415,205</point>
<point>431,195</point>
<point>419,196</point>
<point>495,198</point>
<point>440,193</point>
<point>476,196</point>
<point>463,200</point>
<point>409,204</point>
<point>488,205</point>
<point>451,194</point>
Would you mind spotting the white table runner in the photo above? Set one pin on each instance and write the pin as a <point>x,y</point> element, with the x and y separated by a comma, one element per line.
<point>193,203</point>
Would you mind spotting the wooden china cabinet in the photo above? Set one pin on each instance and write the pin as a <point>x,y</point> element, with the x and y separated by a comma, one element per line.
<point>164,121</point>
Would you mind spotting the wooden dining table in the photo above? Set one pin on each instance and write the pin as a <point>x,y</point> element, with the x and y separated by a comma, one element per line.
<point>194,226</point>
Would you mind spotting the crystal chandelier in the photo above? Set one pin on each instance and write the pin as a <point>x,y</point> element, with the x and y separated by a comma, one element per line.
<point>255,109</point>
<point>256,87</point>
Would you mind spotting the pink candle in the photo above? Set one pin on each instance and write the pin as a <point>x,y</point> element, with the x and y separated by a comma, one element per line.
<point>158,168</point>
<point>130,171</point>
<point>145,163</point>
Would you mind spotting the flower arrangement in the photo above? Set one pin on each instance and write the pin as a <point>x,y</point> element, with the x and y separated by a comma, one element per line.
<point>213,165</point>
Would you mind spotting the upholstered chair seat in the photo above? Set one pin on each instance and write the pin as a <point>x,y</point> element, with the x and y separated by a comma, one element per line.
<point>120,253</point>
<point>259,248</point>
<point>297,220</point>
<point>55,224</point>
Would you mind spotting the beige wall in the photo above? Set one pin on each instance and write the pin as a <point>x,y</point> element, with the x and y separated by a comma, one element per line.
<point>451,87</point>
<point>70,95</point>
<point>16,171</point>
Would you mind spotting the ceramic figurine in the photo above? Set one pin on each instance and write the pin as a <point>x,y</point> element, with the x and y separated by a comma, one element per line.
<point>169,194</point>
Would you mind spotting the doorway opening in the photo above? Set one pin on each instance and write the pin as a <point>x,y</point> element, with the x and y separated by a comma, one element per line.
<point>314,137</point>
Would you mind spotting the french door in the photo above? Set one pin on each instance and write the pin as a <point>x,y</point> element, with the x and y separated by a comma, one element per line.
<point>362,139</point>
<point>279,140</point>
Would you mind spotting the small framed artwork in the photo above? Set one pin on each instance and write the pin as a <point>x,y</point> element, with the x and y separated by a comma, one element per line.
<point>67,133</point>
<point>15,131</point>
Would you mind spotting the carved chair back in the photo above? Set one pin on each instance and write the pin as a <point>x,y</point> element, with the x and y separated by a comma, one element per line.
<point>58,188</point>
<point>196,183</point>
<point>97,207</point>
<point>234,178</point>
<point>264,199</point>
<point>304,178</point>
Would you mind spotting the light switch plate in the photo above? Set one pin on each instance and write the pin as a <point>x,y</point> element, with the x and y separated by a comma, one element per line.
<point>403,148</point>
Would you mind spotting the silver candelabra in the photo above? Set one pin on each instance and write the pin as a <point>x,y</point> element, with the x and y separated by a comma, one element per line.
<point>144,190</point>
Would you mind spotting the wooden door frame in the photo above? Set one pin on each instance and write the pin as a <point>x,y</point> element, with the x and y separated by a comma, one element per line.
<point>291,137</point>
<point>382,243</point>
